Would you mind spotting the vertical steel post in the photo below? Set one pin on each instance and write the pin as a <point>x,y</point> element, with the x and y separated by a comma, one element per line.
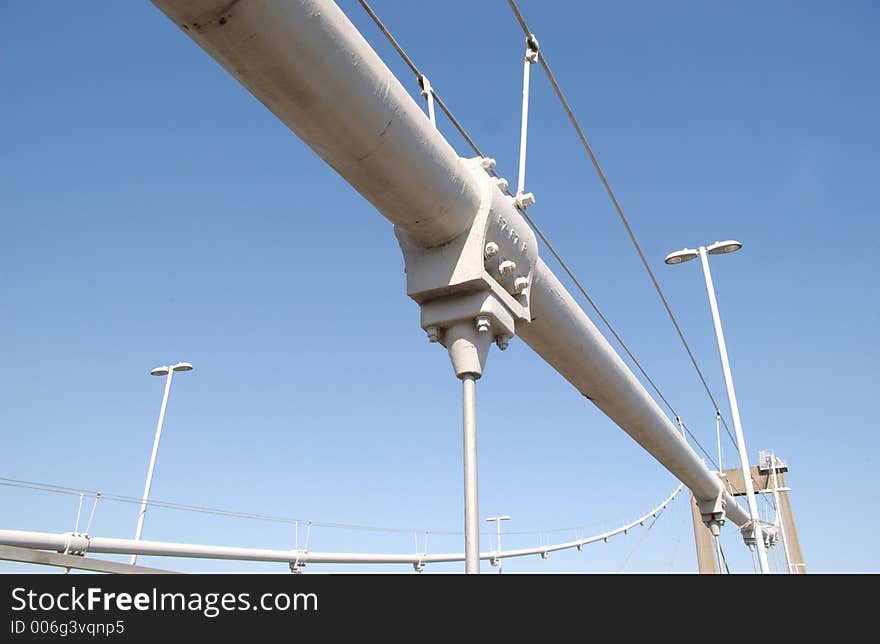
<point>703,542</point>
<point>143,510</point>
<point>734,410</point>
<point>779,519</point>
<point>471,511</point>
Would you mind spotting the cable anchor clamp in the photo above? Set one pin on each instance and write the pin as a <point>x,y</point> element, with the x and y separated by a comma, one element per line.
<point>523,200</point>
<point>532,49</point>
<point>425,85</point>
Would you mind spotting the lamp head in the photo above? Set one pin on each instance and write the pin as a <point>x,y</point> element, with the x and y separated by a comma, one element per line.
<point>723,247</point>
<point>680,256</point>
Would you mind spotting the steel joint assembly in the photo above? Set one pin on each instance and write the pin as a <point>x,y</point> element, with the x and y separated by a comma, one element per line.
<point>475,289</point>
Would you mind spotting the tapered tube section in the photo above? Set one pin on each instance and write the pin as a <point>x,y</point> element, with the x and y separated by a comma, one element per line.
<point>309,65</point>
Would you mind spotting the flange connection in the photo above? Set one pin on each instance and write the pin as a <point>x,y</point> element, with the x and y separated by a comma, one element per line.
<point>473,290</point>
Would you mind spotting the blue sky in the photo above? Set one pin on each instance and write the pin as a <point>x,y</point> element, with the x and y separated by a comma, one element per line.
<point>151,210</point>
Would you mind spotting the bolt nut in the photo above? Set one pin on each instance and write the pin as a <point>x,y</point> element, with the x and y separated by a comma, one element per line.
<point>433,334</point>
<point>507,267</point>
<point>491,250</point>
<point>502,184</point>
<point>483,324</point>
<point>502,341</point>
<point>520,284</point>
<point>487,163</point>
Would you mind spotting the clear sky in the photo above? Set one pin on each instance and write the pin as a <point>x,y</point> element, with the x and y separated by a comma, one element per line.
<point>152,211</point>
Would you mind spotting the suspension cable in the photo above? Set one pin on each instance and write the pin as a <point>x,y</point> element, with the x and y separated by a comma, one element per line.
<point>420,76</point>
<point>567,107</point>
<point>723,558</point>
<point>71,491</point>
<point>638,544</point>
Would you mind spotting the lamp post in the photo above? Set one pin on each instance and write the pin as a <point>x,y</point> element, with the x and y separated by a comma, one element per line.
<point>498,521</point>
<point>721,248</point>
<point>169,373</point>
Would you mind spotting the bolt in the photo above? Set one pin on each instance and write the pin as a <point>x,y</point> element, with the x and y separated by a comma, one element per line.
<point>491,249</point>
<point>483,324</point>
<point>502,341</point>
<point>487,163</point>
<point>433,334</point>
<point>502,184</point>
<point>507,267</point>
<point>520,284</point>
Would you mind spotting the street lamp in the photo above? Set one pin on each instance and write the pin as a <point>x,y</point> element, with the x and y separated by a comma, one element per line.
<point>703,252</point>
<point>498,521</point>
<point>169,373</point>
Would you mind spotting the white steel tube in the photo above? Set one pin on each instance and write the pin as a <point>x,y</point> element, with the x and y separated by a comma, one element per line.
<point>718,439</point>
<point>524,128</point>
<point>779,517</point>
<point>309,65</point>
<point>471,501</point>
<point>104,545</point>
<point>143,511</point>
<point>734,411</point>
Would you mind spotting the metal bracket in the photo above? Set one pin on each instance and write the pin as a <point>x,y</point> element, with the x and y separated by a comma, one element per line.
<point>480,282</point>
<point>76,544</point>
<point>769,532</point>
<point>712,512</point>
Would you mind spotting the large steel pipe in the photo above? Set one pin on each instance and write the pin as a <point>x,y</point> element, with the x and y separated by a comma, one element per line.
<point>305,61</point>
<point>309,65</point>
<point>562,334</point>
